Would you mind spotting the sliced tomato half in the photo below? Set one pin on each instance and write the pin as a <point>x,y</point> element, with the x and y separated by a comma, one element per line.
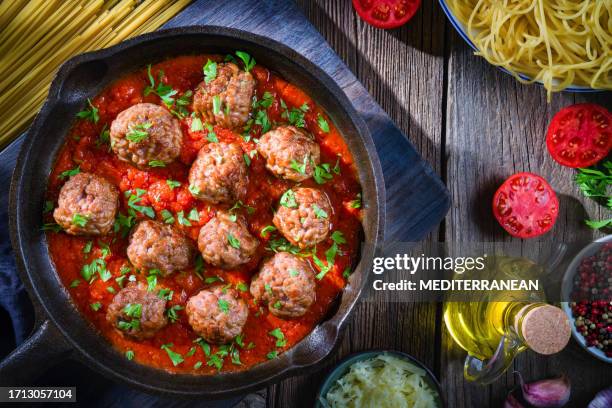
<point>525,205</point>
<point>386,13</point>
<point>580,135</point>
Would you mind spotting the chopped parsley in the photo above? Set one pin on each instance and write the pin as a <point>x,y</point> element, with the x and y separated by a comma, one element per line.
<point>295,116</point>
<point>265,102</point>
<point>96,306</point>
<point>182,220</point>
<point>356,203</point>
<point>267,230</point>
<point>293,272</point>
<point>133,310</point>
<point>338,237</point>
<point>197,365</point>
<point>129,355</point>
<point>347,272</point>
<point>233,241</point>
<point>212,279</point>
<point>157,163</point>
<point>216,104</point>
<point>191,352</point>
<point>282,245</point>
<point>91,114</point>
<point>181,104</point>
<point>224,305</point>
<point>165,92</point>
<point>193,189</point>
<point>261,118</point>
<point>194,215</point>
<point>133,201</point>
<point>172,313</point>
<point>322,173</point>
<point>48,207</point>
<point>124,223</point>
<point>199,265</point>
<point>167,217</point>
<point>288,199</point>
<point>247,159</point>
<point>279,336</point>
<point>272,355</point>
<point>319,212</point>
<point>175,357</point>
<point>97,266</point>
<point>79,220</point>
<point>211,136</point>
<point>165,294</point>
<point>299,167</point>
<point>75,283</point>
<point>241,286</point>
<point>138,133</point>
<point>51,226</point>
<point>323,125</point>
<point>210,71</point>
<point>87,247</point>
<point>196,123</point>
<point>103,137</point>
<point>69,173</point>
<point>173,184</point>
<point>249,62</point>
<point>152,279</point>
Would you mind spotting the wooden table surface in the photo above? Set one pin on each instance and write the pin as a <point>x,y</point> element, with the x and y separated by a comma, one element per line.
<point>476,126</point>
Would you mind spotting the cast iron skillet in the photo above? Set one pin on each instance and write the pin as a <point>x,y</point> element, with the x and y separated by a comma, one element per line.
<point>61,332</point>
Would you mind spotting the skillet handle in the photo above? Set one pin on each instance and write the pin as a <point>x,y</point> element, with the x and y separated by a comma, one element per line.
<point>42,350</point>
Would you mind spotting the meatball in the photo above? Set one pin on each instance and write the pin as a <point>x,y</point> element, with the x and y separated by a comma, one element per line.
<point>286,283</point>
<point>137,313</point>
<point>226,100</point>
<point>87,205</point>
<point>303,216</point>
<point>290,153</point>
<point>217,314</point>
<point>154,245</point>
<point>225,241</point>
<point>146,133</point>
<point>219,174</point>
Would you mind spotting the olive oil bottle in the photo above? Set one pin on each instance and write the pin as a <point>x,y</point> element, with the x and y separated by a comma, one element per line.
<point>493,327</point>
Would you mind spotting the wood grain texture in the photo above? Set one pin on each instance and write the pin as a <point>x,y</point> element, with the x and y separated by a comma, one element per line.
<point>496,127</point>
<point>403,70</point>
<point>475,126</point>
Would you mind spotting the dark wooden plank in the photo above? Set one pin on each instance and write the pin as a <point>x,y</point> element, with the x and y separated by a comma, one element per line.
<point>403,70</point>
<point>496,127</point>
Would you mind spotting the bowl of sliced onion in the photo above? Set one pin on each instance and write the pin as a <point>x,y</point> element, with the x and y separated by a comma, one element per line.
<point>380,378</point>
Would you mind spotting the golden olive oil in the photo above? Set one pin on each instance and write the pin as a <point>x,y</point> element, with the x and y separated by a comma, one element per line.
<point>494,326</point>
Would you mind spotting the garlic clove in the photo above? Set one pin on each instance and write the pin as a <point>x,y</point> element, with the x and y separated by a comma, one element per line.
<point>603,399</point>
<point>549,393</point>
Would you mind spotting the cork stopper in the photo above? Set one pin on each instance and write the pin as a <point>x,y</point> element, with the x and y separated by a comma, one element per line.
<point>545,329</point>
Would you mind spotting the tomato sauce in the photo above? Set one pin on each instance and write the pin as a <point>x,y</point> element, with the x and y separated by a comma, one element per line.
<point>88,148</point>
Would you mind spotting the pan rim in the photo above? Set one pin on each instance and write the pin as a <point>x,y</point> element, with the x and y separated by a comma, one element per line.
<point>373,167</point>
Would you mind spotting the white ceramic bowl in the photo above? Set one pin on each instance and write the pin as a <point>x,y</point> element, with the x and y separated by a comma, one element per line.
<point>566,289</point>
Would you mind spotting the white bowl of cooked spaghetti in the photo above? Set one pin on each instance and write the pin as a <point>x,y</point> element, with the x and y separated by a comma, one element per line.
<point>569,49</point>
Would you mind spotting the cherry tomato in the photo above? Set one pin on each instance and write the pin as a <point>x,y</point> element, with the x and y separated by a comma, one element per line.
<point>525,205</point>
<point>386,13</point>
<point>580,135</point>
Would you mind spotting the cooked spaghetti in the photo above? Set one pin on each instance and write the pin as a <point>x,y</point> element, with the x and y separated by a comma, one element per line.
<point>36,36</point>
<point>559,43</point>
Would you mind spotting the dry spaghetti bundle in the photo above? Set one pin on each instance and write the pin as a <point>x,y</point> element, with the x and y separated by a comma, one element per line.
<point>557,42</point>
<point>36,36</point>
